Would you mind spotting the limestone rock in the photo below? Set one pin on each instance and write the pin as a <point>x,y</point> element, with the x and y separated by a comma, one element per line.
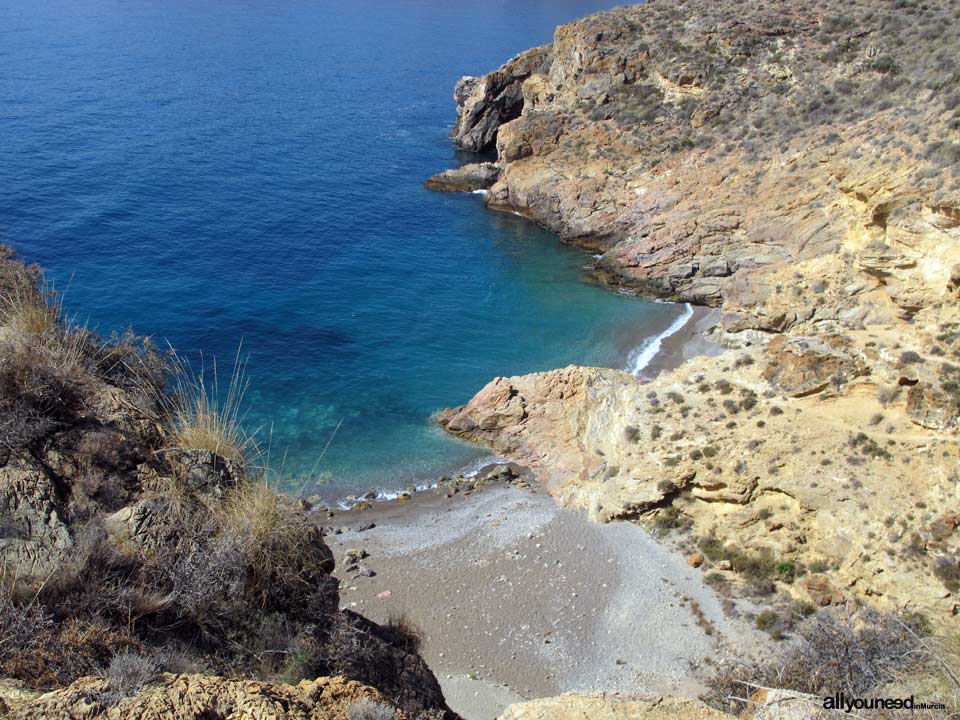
<point>612,706</point>
<point>776,704</point>
<point>192,697</point>
<point>520,416</point>
<point>204,471</point>
<point>931,407</point>
<point>484,104</point>
<point>801,366</point>
<point>32,517</point>
<point>150,523</point>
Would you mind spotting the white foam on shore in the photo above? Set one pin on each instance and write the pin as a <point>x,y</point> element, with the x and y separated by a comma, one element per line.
<point>470,470</point>
<point>645,354</point>
<point>479,192</point>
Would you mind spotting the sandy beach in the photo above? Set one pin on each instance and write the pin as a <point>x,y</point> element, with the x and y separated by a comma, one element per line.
<point>520,598</point>
<point>688,342</point>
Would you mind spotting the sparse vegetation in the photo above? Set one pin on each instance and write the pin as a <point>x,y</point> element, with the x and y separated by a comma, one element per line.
<point>215,570</point>
<point>770,622</point>
<point>128,673</point>
<point>370,710</point>
<point>204,418</point>
<point>860,653</point>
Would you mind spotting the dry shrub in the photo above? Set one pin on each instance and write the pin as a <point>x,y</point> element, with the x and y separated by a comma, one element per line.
<point>127,674</point>
<point>400,631</point>
<point>367,709</point>
<point>38,394</point>
<point>830,652</point>
<point>286,558</point>
<point>44,655</point>
<point>31,309</point>
<point>358,649</point>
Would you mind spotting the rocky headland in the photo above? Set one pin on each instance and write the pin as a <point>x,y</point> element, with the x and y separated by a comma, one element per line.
<point>796,167</point>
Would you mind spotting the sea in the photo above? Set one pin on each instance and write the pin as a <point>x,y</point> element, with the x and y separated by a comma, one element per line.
<point>244,178</point>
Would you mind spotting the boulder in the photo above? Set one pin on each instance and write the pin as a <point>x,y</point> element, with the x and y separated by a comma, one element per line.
<point>800,366</point>
<point>932,407</point>
<point>612,706</point>
<point>33,532</point>
<point>475,176</point>
<point>151,523</point>
<point>205,472</point>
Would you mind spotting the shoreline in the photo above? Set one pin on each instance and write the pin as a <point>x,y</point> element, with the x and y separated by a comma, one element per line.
<point>518,598</point>
<point>472,547</point>
<point>676,345</point>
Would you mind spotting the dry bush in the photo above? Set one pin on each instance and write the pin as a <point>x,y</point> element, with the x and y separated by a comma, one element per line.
<point>38,396</point>
<point>367,709</point>
<point>23,625</point>
<point>53,655</point>
<point>830,652</point>
<point>127,674</point>
<point>31,309</point>
<point>400,631</point>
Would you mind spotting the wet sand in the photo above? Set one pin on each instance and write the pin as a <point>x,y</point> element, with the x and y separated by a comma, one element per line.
<point>686,343</point>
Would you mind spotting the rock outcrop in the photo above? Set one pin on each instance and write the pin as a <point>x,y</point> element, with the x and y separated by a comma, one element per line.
<point>192,697</point>
<point>704,146</point>
<point>484,104</point>
<point>799,168</point>
<point>612,707</point>
<point>476,176</point>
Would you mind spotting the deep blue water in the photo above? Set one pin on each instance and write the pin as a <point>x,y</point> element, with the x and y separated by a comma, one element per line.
<point>210,172</point>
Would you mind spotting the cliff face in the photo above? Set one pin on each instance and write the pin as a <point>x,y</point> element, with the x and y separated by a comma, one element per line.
<point>798,166</point>
<point>706,145</point>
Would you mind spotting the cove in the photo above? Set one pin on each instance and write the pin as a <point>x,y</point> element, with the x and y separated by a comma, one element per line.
<point>217,174</point>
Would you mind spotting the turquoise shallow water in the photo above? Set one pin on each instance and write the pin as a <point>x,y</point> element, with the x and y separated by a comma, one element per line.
<point>212,173</point>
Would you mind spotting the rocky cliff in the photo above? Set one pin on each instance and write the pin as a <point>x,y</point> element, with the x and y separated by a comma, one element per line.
<point>797,166</point>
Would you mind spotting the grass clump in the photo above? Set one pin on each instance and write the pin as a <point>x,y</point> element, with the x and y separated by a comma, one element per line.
<point>203,418</point>
<point>770,622</point>
<point>127,674</point>
<point>757,569</point>
<point>786,571</point>
<point>31,308</point>
<point>670,518</point>
<point>869,447</point>
<point>947,571</point>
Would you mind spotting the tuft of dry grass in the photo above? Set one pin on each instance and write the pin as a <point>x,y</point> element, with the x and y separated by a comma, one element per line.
<point>33,315</point>
<point>205,419</point>
<point>257,511</point>
<point>32,310</point>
